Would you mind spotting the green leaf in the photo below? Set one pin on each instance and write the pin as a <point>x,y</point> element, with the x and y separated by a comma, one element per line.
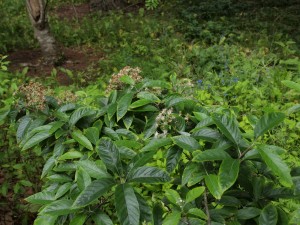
<point>41,198</point>
<point>23,127</point>
<point>80,113</point>
<point>268,215</point>
<point>123,105</point>
<point>92,133</point>
<point>93,191</point>
<point>109,154</point>
<point>111,133</point>
<point>156,143</point>
<point>267,122</point>
<point>248,213</point>
<point>174,197</point>
<point>148,95</point>
<point>198,212</point>
<point>58,208</point>
<point>55,126</point>
<point>207,134</point>
<point>172,219</point>
<point>192,174</point>
<point>194,193</point>
<point>92,169</point>
<point>213,185</point>
<point>78,219</point>
<point>127,205</point>
<point>36,139</point>
<point>157,83</point>
<point>81,139</point>
<point>228,173</point>
<point>71,155</point>
<point>45,219</point>
<point>186,142</point>
<point>62,190</point>
<point>140,103</point>
<point>276,165</point>
<point>211,155</point>
<point>127,120</point>
<point>229,127</point>
<point>291,84</point>
<point>127,79</point>
<point>147,174</point>
<point>67,107</point>
<point>157,214</point>
<point>100,218</point>
<point>173,157</point>
<point>111,110</point>
<point>60,178</point>
<point>49,164</point>
<point>83,179</point>
<point>145,210</point>
<point>140,159</point>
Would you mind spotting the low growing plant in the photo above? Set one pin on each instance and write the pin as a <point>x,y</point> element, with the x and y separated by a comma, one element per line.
<point>146,154</point>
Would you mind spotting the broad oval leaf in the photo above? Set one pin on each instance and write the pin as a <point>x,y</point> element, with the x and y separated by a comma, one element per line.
<point>198,212</point>
<point>81,139</point>
<point>267,122</point>
<point>173,157</point>
<point>93,191</point>
<point>83,179</point>
<point>100,218</point>
<point>92,169</point>
<point>23,126</point>
<point>71,155</point>
<point>78,219</point>
<point>41,198</point>
<point>140,103</point>
<point>194,193</point>
<point>228,173</point>
<point>92,133</point>
<point>174,197</point>
<point>145,210</point>
<point>123,105</point>
<point>45,219</point>
<point>109,154</point>
<point>63,189</point>
<point>207,134</point>
<point>186,142</point>
<point>156,143</point>
<point>80,113</point>
<point>147,174</point>
<point>211,155</point>
<point>172,219</point>
<point>229,127</point>
<point>36,139</point>
<point>268,215</point>
<point>127,205</point>
<point>276,165</point>
<point>213,185</point>
<point>291,84</point>
<point>58,208</point>
<point>248,213</point>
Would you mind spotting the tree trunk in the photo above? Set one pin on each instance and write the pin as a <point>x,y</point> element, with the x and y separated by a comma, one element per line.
<point>37,14</point>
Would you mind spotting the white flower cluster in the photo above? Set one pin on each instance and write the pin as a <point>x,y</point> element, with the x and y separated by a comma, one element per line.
<point>163,120</point>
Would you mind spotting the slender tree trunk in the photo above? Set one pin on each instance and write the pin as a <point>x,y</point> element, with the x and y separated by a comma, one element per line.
<point>37,14</point>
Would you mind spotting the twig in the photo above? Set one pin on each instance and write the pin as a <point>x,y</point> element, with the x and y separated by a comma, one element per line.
<point>206,206</point>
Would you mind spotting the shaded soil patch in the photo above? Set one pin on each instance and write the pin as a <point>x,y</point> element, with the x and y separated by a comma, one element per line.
<point>74,59</point>
<point>71,11</point>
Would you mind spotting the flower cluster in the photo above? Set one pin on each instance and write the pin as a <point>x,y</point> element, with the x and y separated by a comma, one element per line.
<point>164,118</point>
<point>67,97</point>
<point>33,94</point>
<point>116,84</point>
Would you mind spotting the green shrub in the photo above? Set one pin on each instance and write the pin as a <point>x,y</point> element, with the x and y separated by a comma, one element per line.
<point>148,154</point>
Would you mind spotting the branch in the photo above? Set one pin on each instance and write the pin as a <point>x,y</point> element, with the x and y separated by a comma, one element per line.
<point>206,205</point>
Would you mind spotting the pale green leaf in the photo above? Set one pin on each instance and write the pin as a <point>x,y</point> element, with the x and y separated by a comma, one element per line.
<point>194,193</point>
<point>81,139</point>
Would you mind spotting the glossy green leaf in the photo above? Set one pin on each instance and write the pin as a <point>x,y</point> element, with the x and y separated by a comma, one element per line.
<point>198,212</point>
<point>92,133</point>
<point>80,113</point>
<point>23,127</point>
<point>192,174</point>
<point>148,95</point>
<point>186,142</point>
<point>92,169</point>
<point>60,178</point>
<point>207,134</point>
<point>127,120</point>
<point>58,208</point>
<point>145,210</point>
<point>111,133</point>
<point>83,179</point>
<point>276,165</point>
<point>49,164</point>
<point>55,126</point>
<point>45,219</point>
<point>267,122</point>
<point>81,139</point>
<point>228,173</point>
<point>173,157</point>
<point>100,218</point>
<point>127,205</point>
<point>93,191</point>
<point>147,174</point>
<point>248,213</point>
<point>156,143</point>
<point>157,83</point>
<point>67,107</point>
<point>111,110</point>
<point>78,219</point>
<point>211,155</point>
<point>194,193</point>
<point>268,215</point>
<point>41,198</point>
<point>62,190</point>
<point>229,127</point>
<point>172,219</point>
<point>157,214</point>
<point>109,154</point>
<point>140,159</point>
<point>36,139</point>
<point>123,105</point>
<point>213,185</point>
<point>140,103</point>
<point>71,155</point>
<point>173,196</point>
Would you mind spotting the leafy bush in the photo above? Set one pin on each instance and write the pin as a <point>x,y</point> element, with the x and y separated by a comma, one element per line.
<point>148,154</point>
